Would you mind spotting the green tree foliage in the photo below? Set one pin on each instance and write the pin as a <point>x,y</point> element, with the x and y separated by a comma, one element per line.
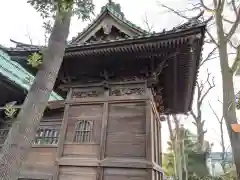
<point>48,8</point>
<point>9,109</point>
<point>195,161</point>
<point>34,60</point>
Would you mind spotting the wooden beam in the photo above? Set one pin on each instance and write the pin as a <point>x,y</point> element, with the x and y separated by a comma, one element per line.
<point>100,84</point>
<point>108,162</point>
<point>104,131</point>
<point>110,99</point>
<point>148,128</point>
<point>103,138</point>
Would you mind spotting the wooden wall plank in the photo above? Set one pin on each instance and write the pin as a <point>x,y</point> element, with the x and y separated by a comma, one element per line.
<point>126,130</point>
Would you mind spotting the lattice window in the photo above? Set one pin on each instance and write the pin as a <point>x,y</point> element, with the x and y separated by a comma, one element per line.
<point>83,131</point>
<point>3,135</point>
<point>46,135</point>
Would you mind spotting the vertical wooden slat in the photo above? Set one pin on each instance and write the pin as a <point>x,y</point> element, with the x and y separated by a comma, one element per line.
<point>156,140</point>
<point>152,138</point>
<point>63,127</point>
<point>160,142</point>
<point>104,131</point>
<point>148,128</point>
<point>62,135</point>
<point>102,148</point>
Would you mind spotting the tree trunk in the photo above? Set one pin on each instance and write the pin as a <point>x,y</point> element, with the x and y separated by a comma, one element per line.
<point>230,116</point>
<point>223,163</point>
<point>200,133</point>
<point>229,108</point>
<point>21,136</point>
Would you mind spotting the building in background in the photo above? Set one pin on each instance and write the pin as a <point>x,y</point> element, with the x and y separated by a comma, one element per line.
<point>214,162</point>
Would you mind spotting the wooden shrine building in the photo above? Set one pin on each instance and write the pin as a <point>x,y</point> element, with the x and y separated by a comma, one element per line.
<point>117,81</point>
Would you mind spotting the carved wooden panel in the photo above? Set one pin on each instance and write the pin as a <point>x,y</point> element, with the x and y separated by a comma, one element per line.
<point>86,93</point>
<point>126,130</point>
<point>124,91</point>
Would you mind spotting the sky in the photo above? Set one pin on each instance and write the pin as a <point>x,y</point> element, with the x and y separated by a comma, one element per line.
<point>21,22</point>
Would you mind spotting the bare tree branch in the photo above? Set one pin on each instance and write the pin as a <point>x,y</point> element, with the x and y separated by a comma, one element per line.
<point>228,21</point>
<point>205,7</point>
<point>212,39</point>
<point>233,3</point>
<point>210,86</point>
<point>234,26</point>
<point>219,7</point>
<point>222,142</point>
<point>236,63</point>
<point>208,56</point>
<point>28,35</point>
<point>232,45</point>
<point>174,11</point>
<point>193,114</point>
<point>215,114</point>
<point>146,22</point>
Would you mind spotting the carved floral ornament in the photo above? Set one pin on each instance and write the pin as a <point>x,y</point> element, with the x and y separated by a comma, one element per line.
<point>114,91</point>
<point>127,91</point>
<point>86,94</point>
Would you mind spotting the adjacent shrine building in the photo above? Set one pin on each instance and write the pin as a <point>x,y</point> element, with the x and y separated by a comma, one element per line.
<point>117,81</point>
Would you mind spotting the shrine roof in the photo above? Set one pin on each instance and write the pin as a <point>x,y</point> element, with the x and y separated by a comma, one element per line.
<point>110,9</point>
<point>179,31</point>
<point>16,76</point>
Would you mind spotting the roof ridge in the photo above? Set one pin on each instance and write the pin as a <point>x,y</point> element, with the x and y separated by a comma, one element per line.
<point>184,27</point>
<point>24,44</point>
<point>105,9</point>
<point>122,18</point>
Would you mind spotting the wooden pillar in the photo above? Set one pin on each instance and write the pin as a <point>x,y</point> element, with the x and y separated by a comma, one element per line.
<point>60,146</point>
<point>160,141</point>
<point>102,149</point>
<point>149,142</point>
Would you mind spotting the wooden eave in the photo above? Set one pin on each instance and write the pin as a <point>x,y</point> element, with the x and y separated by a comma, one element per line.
<point>182,83</point>
<point>164,38</point>
<point>10,91</point>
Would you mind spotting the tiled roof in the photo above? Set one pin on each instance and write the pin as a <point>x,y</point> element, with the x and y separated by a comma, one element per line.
<point>17,74</point>
<point>184,27</point>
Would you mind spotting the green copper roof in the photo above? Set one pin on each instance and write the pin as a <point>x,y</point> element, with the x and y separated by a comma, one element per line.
<point>17,74</point>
